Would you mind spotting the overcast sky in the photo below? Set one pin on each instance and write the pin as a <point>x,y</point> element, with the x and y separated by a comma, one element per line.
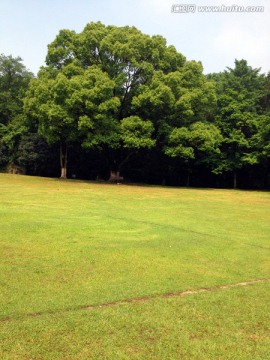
<point>215,39</point>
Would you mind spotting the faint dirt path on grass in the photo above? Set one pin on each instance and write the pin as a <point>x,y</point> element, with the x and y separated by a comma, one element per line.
<point>136,300</point>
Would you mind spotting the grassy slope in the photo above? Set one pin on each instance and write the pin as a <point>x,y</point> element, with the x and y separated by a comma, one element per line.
<point>66,244</point>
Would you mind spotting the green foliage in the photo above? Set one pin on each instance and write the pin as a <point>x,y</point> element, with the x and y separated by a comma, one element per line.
<point>68,106</point>
<point>61,50</point>
<point>115,90</point>
<point>180,139</point>
<point>14,79</point>
<point>178,104</point>
<point>263,137</point>
<point>240,92</point>
<point>200,141</point>
<point>136,133</point>
<point>130,59</point>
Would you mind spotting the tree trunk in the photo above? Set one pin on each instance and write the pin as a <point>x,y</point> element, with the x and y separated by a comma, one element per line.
<point>235,179</point>
<point>117,167</point>
<point>63,160</point>
<point>115,177</point>
<point>188,178</point>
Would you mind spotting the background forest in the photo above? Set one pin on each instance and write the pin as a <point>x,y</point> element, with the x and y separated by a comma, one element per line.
<point>112,100</point>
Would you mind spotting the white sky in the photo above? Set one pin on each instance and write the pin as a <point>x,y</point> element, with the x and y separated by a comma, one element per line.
<point>215,39</point>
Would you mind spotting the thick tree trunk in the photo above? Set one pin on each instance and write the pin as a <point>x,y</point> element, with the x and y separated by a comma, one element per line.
<point>117,168</point>
<point>63,173</point>
<point>63,160</point>
<point>235,179</point>
<point>115,177</point>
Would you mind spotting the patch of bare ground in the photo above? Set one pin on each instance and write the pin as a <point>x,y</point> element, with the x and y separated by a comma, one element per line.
<point>137,300</point>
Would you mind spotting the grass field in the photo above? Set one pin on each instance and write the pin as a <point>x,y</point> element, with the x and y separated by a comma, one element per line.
<point>97,271</point>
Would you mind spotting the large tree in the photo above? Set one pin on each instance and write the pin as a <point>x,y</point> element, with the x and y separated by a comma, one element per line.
<point>180,105</point>
<point>122,92</point>
<point>70,104</point>
<point>130,59</point>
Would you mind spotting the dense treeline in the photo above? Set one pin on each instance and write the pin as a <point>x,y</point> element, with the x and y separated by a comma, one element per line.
<point>114,102</point>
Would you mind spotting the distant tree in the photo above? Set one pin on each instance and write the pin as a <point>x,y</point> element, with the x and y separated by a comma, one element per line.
<point>14,80</point>
<point>197,144</point>
<point>263,136</point>
<point>239,114</point>
<point>34,153</point>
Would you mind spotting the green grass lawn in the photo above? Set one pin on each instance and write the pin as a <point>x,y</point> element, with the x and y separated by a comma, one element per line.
<point>69,245</point>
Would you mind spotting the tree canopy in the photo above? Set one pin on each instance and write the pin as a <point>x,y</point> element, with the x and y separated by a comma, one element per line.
<point>14,80</point>
<point>127,102</point>
<point>239,116</point>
